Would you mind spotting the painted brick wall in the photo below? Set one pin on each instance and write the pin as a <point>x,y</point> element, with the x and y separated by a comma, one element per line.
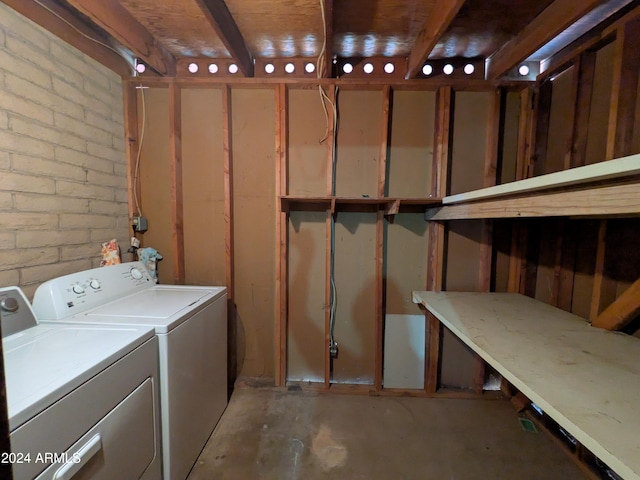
<point>63,185</point>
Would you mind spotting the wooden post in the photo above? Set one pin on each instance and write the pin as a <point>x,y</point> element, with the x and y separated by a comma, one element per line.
<point>175,148</point>
<point>437,233</point>
<point>330,141</point>
<point>542,114</point>
<point>380,226</point>
<point>227,145</point>
<point>130,98</point>
<point>282,222</point>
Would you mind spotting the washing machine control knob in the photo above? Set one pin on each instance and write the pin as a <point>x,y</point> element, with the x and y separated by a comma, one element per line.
<point>136,273</point>
<point>95,284</point>
<point>77,289</point>
<point>9,304</point>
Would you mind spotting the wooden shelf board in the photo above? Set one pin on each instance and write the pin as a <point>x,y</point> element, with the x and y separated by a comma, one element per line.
<point>613,169</point>
<point>617,199</point>
<point>355,204</point>
<point>585,378</point>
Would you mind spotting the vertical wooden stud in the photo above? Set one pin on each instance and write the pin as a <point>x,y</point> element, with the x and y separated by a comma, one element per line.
<point>525,134</point>
<point>175,146</point>
<point>598,276</point>
<point>130,98</point>
<point>380,281</point>
<point>331,93</point>
<point>542,116</point>
<point>437,232</point>
<point>282,221</point>
<point>227,145</point>
<point>624,90</point>
<point>583,87</point>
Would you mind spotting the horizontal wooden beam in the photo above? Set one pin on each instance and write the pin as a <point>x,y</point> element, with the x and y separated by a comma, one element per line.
<point>618,199</point>
<point>66,24</point>
<point>546,26</point>
<point>113,18</point>
<point>622,311</point>
<point>220,18</point>
<point>440,17</point>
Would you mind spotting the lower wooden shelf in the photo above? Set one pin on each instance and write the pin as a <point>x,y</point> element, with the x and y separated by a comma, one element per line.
<point>585,378</point>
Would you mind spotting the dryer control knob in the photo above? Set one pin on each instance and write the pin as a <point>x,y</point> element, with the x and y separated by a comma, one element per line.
<point>77,289</point>
<point>95,284</point>
<point>136,273</point>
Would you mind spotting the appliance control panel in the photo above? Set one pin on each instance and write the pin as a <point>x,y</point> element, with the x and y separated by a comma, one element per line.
<point>79,292</point>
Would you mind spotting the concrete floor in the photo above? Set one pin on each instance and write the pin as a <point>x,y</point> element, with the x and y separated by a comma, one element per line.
<point>272,434</point>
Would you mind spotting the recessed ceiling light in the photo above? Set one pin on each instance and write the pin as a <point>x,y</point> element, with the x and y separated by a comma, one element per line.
<point>213,68</point>
<point>269,68</point>
<point>389,67</point>
<point>368,68</point>
<point>289,68</point>
<point>310,67</point>
<point>427,70</point>
<point>523,70</point>
<point>193,67</point>
<point>448,69</point>
<point>347,68</point>
<point>233,68</point>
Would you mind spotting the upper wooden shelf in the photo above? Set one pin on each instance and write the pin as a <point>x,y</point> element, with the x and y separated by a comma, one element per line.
<point>606,188</point>
<point>585,378</point>
<point>391,206</point>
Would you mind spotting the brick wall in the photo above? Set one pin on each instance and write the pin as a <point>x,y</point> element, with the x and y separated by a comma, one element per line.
<point>63,185</point>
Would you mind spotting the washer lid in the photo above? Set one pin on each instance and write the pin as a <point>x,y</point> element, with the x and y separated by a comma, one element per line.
<point>161,307</point>
<point>44,363</point>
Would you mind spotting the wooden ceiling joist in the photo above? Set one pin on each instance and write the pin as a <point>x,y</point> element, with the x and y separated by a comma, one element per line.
<point>218,15</point>
<point>545,27</point>
<point>112,17</point>
<point>622,311</point>
<point>64,23</point>
<point>441,15</point>
<point>328,38</point>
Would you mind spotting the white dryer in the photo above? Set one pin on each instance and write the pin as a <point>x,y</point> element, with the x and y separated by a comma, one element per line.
<point>191,326</point>
<point>82,401</point>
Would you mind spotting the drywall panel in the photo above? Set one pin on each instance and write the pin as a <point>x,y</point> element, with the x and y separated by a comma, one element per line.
<point>463,263</point>
<point>306,331</point>
<point>600,102</point>
<point>404,351</point>
<point>155,179</point>
<point>253,153</point>
<point>203,187</point>
<point>560,122</point>
<point>405,264</point>
<point>355,279</point>
<point>510,138</point>
<point>308,157</point>
<point>470,121</point>
<point>411,144</point>
<point>359,140</point>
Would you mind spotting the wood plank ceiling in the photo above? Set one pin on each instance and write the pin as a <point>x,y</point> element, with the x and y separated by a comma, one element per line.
<point>161,33</point>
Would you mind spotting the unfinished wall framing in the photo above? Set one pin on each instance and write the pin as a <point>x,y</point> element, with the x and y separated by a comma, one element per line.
<point>397,151</point>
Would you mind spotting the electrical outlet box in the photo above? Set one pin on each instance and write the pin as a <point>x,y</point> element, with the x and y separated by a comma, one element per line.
<point>139,224</point>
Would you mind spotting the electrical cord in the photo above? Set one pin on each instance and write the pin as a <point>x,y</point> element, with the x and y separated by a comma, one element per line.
<point>136,178</point>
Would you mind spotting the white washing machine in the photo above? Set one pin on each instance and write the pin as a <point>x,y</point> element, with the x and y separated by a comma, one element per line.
<point>82,401</point>
<point>191,326</point>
